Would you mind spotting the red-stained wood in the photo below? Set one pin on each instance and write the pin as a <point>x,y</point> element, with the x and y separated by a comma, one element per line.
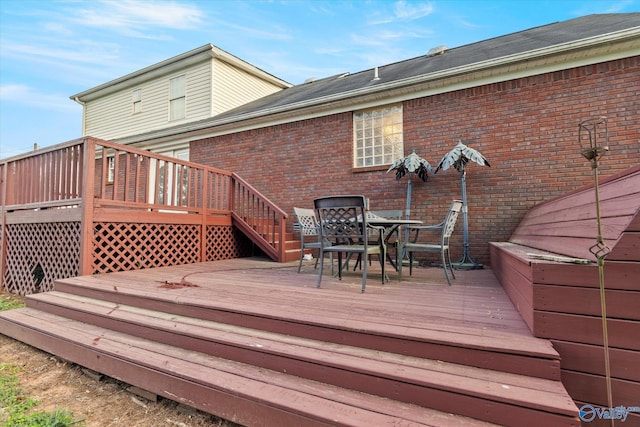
<point>514,273</point>
<point>627,248</point>
<point>566,304</point>
<point>334,340</point>
<point>617,275</point>
<point>567,224</point>
<point>587,329</point>
<point>591,388</point>
<point>635,224</point>
<point>230,390</point>
<point>577,300</point>
<point>590,358</point>
<point>632,419</point>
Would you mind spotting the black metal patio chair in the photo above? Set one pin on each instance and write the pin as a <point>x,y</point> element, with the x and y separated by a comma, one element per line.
<point>343,229</point>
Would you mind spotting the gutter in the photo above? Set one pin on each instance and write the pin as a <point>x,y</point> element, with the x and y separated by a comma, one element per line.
<point>84,113</point>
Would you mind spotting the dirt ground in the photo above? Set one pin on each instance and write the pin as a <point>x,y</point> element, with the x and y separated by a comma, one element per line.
<point>103,402</point>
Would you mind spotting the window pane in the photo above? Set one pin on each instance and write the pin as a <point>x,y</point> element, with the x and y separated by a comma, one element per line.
<point>379,131</point>
<point>177,98</point>
<point>176,109</point>
<point>176,87</point>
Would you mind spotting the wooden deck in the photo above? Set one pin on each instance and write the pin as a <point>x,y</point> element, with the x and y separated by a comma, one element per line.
<point>255,342</point>
<point>561,302</point>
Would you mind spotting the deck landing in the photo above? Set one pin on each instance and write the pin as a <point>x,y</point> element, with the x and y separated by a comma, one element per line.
<point>255,342</point>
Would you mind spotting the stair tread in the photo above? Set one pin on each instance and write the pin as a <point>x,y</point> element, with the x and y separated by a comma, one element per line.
<point>510,388</point>
<point>318,401</point>
<point>466,337</point>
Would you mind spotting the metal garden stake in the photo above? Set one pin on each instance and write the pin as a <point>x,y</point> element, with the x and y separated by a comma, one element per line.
<point>588,133</point>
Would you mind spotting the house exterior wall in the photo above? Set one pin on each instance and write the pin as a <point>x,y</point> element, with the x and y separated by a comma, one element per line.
<point>111,116</point>
<point>233,87</point>
<point>527,128</point>
<point>212,87</point>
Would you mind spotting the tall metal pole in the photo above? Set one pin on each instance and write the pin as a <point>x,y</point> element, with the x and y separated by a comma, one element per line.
<point>407,205</point>
<point>599,250</point>
<point>466,262</point>
<point>407,214</point>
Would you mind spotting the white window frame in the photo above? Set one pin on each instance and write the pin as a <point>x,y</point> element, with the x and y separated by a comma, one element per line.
<point>136,101</point>
<point>111,169</point>
<point>377,136</point>
<point>177,98</point>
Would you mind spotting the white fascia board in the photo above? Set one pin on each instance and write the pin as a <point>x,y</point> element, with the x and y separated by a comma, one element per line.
<point>163,68</point>
<point>245,66</point>
<point>175,65</point>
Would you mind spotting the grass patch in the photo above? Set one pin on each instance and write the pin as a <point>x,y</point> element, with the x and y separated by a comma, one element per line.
<point>16,409</point>
<point>9,301</point>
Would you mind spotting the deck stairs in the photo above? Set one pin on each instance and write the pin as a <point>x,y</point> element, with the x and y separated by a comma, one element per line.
<point>271,367</point>
<point>265,236</point>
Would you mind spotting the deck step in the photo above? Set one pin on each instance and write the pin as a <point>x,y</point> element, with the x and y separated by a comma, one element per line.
<point>292,254</point>
<point>460,345</point>
<point>498,397</point>
<point>239,392</point>
<point>257,343</point>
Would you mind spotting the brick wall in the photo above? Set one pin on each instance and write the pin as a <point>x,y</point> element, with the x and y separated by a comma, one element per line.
<point>527,128</point>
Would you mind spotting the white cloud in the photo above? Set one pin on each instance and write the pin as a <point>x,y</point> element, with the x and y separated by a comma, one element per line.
<point>57,28</point>
<point>403,11</point>
<point>28,96</point>
<point>412,11</point>
<point>603,7</point>
<point>65,50</point>
<point>11,92</point>
<point>275,33</point>
<point>134,18</point>
<point>619,6</point>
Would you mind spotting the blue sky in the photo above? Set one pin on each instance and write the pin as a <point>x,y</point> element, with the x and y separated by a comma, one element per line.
<point>50,50</point>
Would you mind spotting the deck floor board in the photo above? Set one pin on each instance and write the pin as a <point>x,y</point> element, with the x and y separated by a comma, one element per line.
<point>414,346</point>
<point>476,306</point>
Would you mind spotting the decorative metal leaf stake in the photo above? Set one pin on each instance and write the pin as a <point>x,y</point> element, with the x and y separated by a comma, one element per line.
<point>588,133</point>
<point>459,157</point>
<point>413,165</point>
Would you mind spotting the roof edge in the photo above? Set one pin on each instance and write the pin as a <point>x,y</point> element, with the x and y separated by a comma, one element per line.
<point>175,63</point>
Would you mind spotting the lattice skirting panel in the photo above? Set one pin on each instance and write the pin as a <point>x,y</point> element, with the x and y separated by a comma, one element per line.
<point>134,246</point>
<point>40,253</point>
<point>226,242</point>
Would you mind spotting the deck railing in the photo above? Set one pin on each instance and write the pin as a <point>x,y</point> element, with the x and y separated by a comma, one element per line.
<point>107,207</point>
<point>51,177</point>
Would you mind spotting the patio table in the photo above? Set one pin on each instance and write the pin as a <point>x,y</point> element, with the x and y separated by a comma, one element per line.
<point>390,226</point>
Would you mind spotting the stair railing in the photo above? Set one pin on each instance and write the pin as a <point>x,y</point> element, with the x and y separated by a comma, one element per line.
<point>258,218</point>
